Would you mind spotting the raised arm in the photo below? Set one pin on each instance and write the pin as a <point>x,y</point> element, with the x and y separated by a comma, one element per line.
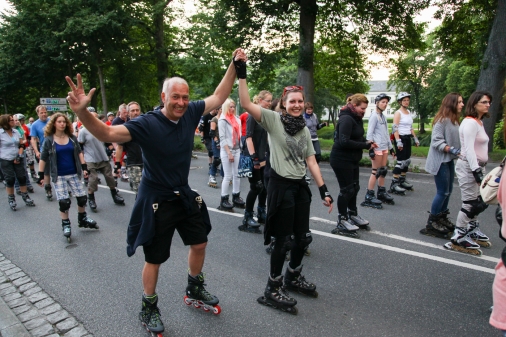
<point>223,89</point>
<point>253,109</point>
<point>78,101</point>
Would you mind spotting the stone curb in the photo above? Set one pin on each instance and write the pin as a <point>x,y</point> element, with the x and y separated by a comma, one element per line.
<point>27,311</point>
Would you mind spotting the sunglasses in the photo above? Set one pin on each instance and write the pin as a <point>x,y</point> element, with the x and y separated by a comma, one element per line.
<point>292,88</point>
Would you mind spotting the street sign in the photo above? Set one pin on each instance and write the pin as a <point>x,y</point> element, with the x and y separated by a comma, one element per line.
<point>56,108</point>
<point>52,101</point>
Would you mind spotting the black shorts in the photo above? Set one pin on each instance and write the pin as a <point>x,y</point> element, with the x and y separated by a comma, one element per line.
<point>172,215</point>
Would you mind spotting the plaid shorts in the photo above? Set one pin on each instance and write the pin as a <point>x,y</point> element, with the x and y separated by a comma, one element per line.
<point>134,176</point>
<point>70,182</point>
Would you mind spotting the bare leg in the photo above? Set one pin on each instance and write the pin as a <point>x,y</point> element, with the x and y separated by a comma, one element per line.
<point>150,278</point>
<point>196,258</point>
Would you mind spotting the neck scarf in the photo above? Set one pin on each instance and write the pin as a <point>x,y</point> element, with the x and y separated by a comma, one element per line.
<point>235,128</point>
<point>291,124</point>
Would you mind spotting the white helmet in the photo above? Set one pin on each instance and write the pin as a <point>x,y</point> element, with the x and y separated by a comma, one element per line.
<point>402,95</point>
<point>91,109</point>
<point>20,116</point>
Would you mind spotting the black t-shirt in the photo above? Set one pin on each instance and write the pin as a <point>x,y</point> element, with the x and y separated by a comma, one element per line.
<point>166,146</point>
<point>258,136</point>
<point>134,151</point>
<point>118,121</point>
<point>206,123</point>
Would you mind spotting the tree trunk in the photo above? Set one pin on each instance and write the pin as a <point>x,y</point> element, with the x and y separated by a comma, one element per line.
<point>305,76</point>
<point>102,89</point>
<point>493,69</point>
<point>162,64</point>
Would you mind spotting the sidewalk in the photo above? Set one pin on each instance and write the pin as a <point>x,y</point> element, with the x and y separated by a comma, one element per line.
<point>27,311</point>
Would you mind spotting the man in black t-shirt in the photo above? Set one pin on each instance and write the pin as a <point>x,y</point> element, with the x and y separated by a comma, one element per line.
<point>165,201</point>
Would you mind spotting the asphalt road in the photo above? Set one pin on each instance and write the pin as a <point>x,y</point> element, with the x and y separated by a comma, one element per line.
<point>390,282</point>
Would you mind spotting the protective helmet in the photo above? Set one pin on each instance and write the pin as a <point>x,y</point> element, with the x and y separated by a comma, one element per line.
<point>110,114</point>
<point>91,109</point>
<point>382,96</point>
<point>20,117</point>
<point>402,95</point>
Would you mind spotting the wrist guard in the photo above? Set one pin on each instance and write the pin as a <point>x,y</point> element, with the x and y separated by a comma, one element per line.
<point>478,175</point>
<point>84,167</point>
<point>324,193</point>
<point>240,68</point>
<point>417,142</point>
<point>372,154</point>
<point>117,166</point>
<point>40,178</point>
<point>212,133</point>
<point>454,151</point>
<point>399,143</point>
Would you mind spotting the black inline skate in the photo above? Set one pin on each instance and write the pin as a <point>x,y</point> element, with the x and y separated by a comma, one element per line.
<point>371,201</point>
<point>67,231</point>
<point>345,228</point>
<point>249,224</point>
<point>396,188</point>
<point>118,200</point>
<point>384,196</point>
<point>276,296</point>
<point>92,203</point>
<point>49,194</point>
<point>435,228</point>
<point>357,220</point>
<point>199,297</point>
<point>12,201</point>
<point>150,315</point>
<point>447,222</point>
<point>225,204</point>
<point>405,184</point>
<point>261,214</point>
<point>86,222</point>
<point>238,201</point>
<point>295,281</point>
<point>26,198</point>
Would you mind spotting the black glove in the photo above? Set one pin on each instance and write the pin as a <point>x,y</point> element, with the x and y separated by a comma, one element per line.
<point>255,160</point>
<point>324,193</point>
<point>392,152</point>
<point>478,175</point>
<point>454,151</point>
<point>117,166</point>
<point>240,68</point>
<point>84,167</point>
<point>108,151</point>
<point>39,180</point>
<point>18,158</point>
<point>371,153</point>
<point>212,133</point>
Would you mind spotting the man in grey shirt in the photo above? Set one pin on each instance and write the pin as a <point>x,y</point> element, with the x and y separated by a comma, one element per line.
<point>97,161</point>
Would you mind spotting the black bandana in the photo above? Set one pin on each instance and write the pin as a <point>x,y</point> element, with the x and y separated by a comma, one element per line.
<point>292,124</point>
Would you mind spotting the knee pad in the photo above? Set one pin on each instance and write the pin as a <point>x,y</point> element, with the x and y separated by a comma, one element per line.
<point>81,201</point>
<point>382,172</point>
<point>303,240</point>
<point>318,157</point>
<point>9,182</point>
<point>406,163</point>
<point>283,244</point>
<point>210,154</point>
<point>399,165</point>
<point>64,205</point>
<point>374,172</point>
<point>477,207</point>
<point>22,181</point>
<point>348,192</point>
<point>216,162</point>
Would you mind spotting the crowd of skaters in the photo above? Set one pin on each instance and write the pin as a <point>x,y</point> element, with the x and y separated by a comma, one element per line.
<point>280,138</point>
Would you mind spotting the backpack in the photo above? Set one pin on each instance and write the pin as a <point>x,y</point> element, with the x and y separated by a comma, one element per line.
<point>490,184</point>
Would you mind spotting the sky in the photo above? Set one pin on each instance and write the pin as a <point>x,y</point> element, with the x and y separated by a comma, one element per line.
<point>377,74</point>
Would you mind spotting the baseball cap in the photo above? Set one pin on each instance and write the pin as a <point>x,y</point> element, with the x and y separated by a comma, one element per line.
<point>110,114</point>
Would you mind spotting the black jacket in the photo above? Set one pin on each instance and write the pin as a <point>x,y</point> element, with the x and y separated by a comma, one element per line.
<point>349,140</point>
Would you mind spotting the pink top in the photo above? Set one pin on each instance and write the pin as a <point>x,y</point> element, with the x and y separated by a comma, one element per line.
<point>473,142</point>
<point>498,316</point>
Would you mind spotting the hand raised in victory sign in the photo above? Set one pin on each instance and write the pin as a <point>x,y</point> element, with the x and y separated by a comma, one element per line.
<point>77,98</point>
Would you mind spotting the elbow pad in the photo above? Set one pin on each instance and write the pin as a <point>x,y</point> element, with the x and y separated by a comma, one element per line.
<point>21,146</point>
<point>395,128</point>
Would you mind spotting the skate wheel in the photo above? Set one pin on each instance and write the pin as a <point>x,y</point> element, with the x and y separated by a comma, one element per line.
<point>315,294</point>
<point>196,305</point>
<point>187,300</point>
<point>292,310</point>
<point>69,240</point>
<point>216,310</point>
<point>206,309</point>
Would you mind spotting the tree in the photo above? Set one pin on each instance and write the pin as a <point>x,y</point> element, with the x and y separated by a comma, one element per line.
<point>266,26</point>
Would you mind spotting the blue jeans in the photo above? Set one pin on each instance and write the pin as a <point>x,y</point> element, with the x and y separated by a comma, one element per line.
<point>444,185</point>
<point>216,154</point>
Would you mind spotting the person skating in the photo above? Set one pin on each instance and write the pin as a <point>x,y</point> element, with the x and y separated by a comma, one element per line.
<point>444,149</point>
<point>37,139</point>
<point>288,193</point>
<point>470,169</point>
<point>402,130</point>
<point>165,201</point>
<point>62,153</point>
<point>377,131</point>
<point>349,142</point>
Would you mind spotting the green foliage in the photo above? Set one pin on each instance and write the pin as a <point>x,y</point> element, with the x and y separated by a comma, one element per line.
<point>499,135</point>
<point>326,133</point>
<point>425,139</point>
